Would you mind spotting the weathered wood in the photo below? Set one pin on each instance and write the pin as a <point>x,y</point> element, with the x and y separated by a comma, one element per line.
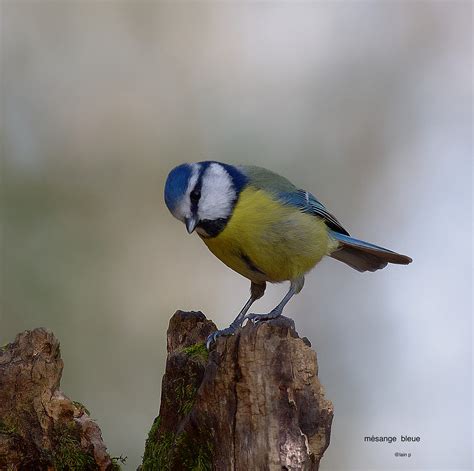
<point>254,403</point>
<point>41,428</point>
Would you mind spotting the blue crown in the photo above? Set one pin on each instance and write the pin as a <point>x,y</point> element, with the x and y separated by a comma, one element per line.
<point>176,185</point>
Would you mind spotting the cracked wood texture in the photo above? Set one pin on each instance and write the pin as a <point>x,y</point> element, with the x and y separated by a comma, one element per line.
<point>254,403</point>
<point>40,427</point>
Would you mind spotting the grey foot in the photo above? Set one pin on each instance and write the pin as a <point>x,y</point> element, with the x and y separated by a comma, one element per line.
<point>256,318</point>
<point>220,333</point>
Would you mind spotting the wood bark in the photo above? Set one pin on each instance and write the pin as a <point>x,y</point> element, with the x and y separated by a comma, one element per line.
<point>40,427</point>
<point>254,403</point>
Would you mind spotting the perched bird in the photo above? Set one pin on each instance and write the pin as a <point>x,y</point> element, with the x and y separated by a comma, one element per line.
<point>263,227</point>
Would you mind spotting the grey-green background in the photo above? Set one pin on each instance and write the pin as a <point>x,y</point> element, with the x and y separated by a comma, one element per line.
<point>365,104</point>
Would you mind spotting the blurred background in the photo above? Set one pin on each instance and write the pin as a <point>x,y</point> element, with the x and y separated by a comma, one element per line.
<point>365,104</point>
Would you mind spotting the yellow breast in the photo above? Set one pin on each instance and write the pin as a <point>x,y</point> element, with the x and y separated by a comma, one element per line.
<point>265,240</point>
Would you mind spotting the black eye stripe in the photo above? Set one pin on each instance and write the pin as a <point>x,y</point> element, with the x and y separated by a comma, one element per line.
<point>195,195</point>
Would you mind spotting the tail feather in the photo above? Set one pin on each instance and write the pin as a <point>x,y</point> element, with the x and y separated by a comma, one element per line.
<point>363,256</point>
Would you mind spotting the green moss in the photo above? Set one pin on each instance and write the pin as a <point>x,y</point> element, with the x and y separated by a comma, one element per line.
<point>168,451</point>
<point>154,449</point>
<point>67,453</point>
<point>8,429</point>
<point>194,455</point>
<point>116,461</point>
<point>199,459</point>
<point>81,407</point>
<point>158,452</point>
<point>186,395</point>
<point>197,351</point>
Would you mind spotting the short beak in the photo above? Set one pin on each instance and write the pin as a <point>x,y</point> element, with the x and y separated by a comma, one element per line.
<point>191,224</point>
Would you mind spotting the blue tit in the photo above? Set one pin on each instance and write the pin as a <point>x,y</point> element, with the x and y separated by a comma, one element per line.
<point>265,228</point>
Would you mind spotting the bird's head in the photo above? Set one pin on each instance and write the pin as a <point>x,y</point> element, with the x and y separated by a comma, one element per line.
<point>203,195</point>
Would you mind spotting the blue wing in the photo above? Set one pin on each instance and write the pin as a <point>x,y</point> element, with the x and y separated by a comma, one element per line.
<point>308,203</point>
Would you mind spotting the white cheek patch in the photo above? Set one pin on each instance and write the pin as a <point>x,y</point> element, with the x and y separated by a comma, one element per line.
<point>217,194</point>
<point>183,210</point>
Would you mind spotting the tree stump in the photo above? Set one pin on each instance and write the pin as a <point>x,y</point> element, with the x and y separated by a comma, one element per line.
<point>253,403</point>
<point>41,428</point>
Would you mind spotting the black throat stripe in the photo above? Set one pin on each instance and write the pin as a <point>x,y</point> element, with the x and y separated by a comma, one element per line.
<point>213,228</point>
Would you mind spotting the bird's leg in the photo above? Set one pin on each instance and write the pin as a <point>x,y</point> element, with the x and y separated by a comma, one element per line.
<point>256,292</point>
<point>295,287</point>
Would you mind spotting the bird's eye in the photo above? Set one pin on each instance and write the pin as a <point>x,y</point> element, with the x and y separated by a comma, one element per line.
<point>195,195</point>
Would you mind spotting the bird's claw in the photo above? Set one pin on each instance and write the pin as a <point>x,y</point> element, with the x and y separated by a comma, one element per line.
<point>220,333</point>
<point>257,318</point>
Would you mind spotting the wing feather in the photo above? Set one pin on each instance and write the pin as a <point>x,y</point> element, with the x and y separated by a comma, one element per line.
<point>308,203</point>
<point>289,194</point>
